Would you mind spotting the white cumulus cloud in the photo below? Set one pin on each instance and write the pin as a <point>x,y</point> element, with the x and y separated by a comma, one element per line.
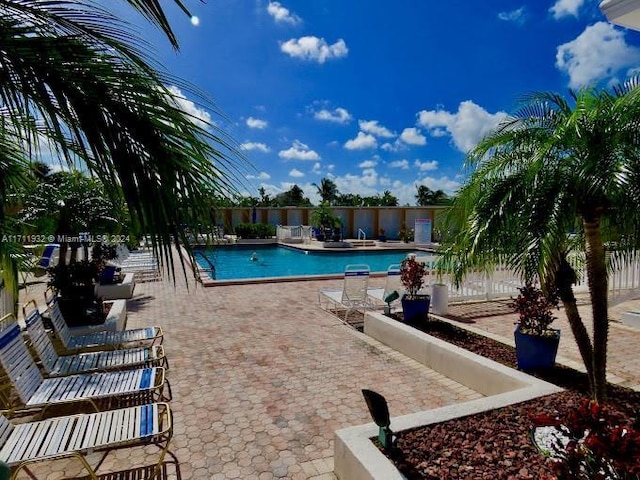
<point>412,136</point>
<point>256,123</point>
<point>295,173</point>
<point>314,48</point>
<point>316,168</point>
<point>401,164</point>
<point>374,128</point>
<point>261,147</point>
<point>361,142</point>
<point>281,14</point>
<point>299,151</point>
<point>565,8</point>
<point>337,115</point>
<point>260,176</point>
<point>367,164</point>
<point>466,127</point>
<point>597,53</point>
<point>516,16</point>
<point>426,166</point>
<point>200,117</point>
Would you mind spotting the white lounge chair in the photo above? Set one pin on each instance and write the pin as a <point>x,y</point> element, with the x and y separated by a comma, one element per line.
<point>75,436</point>
<point>103,339</point>
<point>36,392</point>
<point>353,295</point>
<point>379,295</point>
<point>56,365</point>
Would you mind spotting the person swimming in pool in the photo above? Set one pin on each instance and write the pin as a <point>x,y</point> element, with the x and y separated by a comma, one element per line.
<point>254,257</point>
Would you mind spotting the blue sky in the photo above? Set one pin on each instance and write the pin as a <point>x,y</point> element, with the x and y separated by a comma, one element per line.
<point>381,95</point>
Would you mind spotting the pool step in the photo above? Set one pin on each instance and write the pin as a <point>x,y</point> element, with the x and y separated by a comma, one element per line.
<point>362,243</point>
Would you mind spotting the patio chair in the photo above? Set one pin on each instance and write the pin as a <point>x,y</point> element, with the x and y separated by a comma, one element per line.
<point>36,392</point>
<point>380,296</point>
<point>47,259</point>
<point>77,436</point>
<point>56,365</point>
<point>101,339</point>
<point>353,295</point>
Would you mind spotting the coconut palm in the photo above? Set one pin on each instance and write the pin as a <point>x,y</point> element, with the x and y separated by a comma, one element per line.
<point>327,190</point>
<point>77,86</point>
<point>556,172</point>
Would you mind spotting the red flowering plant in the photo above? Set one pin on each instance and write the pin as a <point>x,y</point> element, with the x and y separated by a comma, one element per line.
<point>534,309</point>
<point>591,442</point>
<point>412,275</point>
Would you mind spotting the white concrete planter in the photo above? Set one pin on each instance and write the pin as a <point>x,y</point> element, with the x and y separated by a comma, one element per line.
<point>113,291</point>
<point>357,458</point>
<point>116,319</point>
<point>631,319</point>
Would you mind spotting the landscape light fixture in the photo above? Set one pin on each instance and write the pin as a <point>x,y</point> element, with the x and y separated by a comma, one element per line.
<point>388,299</point>
<point>379,411</point>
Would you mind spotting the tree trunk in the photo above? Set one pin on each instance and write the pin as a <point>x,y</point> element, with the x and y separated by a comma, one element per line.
<point>597,279</point>
<point>565,278</point>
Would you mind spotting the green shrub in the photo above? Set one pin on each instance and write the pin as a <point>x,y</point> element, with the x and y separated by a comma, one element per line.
<point>255,230</point>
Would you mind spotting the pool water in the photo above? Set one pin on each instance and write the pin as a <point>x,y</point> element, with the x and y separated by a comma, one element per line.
<point>235,261</point>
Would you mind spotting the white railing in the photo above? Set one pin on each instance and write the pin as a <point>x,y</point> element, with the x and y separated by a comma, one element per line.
<point>288,233</point>
<point>362,233</point>
<point>503,283</point>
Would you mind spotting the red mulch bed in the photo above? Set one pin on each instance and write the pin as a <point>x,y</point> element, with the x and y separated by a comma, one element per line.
<point>495,444</point>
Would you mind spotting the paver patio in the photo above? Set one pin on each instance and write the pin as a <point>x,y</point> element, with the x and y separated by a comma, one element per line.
<point>262,377</point>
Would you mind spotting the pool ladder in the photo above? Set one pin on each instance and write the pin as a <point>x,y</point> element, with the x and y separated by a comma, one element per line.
<point>212,268</point>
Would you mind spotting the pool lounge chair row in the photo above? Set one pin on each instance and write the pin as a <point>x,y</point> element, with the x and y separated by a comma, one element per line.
<point>108,374</point>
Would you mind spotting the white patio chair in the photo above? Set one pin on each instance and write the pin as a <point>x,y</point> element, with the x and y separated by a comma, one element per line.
<point>36,392</point>
<point>56,365</point>
<point>102,339</point>
<point>353,295</point>
<point>24,444</point>
<point>378,295</point>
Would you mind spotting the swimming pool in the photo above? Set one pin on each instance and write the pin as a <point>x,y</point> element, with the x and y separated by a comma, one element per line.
<point>235,261</point>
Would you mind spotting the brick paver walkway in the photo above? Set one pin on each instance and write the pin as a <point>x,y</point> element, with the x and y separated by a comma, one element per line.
<point>262,377</point>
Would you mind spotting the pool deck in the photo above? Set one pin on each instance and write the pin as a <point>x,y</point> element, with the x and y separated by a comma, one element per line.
<point>262,377</point>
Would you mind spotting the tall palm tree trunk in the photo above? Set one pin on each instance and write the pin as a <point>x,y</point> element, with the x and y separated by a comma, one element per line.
<point>565,278</point>
<point>597,280</point>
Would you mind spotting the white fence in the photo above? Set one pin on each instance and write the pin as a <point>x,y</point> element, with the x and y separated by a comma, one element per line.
<point>624,276</point>
<point>293,234</point>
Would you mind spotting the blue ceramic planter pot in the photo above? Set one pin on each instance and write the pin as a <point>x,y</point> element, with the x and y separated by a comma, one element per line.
<point>416,309</point>
<point>535,352</point>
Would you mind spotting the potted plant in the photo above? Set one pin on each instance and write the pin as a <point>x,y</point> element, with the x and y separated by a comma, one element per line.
<point>536,342</point>
<point>75,285</point>
<point>415,307</point>
<point>327,224</point>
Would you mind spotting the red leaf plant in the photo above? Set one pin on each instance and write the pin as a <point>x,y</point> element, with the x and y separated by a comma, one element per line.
<point>599,447</point>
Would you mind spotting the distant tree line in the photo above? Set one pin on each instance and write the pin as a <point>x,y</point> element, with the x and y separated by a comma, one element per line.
<point>330,195</point>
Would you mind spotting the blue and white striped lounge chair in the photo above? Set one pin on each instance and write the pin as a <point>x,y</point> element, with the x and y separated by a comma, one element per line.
<point>56,365</point>
<point>102,339</point>
<point>36,392</point>
<point>75,436</point>
<point>353,295</point>
<point>378,295</point>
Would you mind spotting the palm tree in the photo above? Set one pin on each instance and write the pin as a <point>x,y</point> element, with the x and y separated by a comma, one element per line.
<point>327,190</point>
<point>556,172</point>
<point>426,196</point>
<point>75,81</point>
